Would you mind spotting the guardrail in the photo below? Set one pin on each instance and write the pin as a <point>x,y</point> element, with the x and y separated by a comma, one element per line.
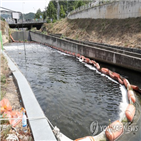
<point>92,5</point>
<point>27,21</point>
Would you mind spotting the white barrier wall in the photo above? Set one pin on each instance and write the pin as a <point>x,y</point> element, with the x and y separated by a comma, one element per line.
<point>115,10</point>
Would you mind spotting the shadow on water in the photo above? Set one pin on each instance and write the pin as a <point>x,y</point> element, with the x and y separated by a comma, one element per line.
<point>132,76</point>
<point>71,95</point>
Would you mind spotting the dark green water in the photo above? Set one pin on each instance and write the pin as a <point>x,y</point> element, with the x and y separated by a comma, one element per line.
<point>71,95</point>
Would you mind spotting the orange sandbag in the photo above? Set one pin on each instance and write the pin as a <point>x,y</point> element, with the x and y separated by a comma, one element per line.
<point>77,55</point>
<point>131,96</point>
<point>111,74</point>
<point>73,54</point>
<point>120,81</point>
<point>136,88</point>
<point>17,117</point>
<point>82,57</point>
<point>2,109</point>
<point>116,75</point>
<point>105,71</point>
<point>130,112</point>
<point>114,130</point>
<point>90,61</point>
<point>86,60</point>
<point>126,83</point>
<point>97,66</point>
<point>88,138</point>
<point>5,105</point>
<point>93,62</point>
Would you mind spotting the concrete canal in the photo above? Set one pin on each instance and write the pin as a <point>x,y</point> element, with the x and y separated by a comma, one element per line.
<point>73,94</point>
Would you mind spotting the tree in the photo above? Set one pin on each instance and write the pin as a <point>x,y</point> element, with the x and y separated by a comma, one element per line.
<point>38,14</point>
<point>79,4</point>
<point>45,13</point>
<point>51,11</point>
<point>1,18</point>
<point>65,7</point>
<point>62,12</point>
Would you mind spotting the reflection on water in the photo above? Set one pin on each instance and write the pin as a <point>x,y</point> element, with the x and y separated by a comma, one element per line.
<point>71,95</point>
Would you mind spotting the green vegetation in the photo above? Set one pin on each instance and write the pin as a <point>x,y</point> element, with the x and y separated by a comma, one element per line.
<point>5,132</point>
<point>3,79</point>
<point>50,13</point>
<point>2,94</point>
<point>33,29</point>
<point>62,12</point>
<point>80,3</point>
<point>3,76</point>
<point>1,18</point>
<point>29,16</point>
<point>108,31</point>
<point>38,14</point>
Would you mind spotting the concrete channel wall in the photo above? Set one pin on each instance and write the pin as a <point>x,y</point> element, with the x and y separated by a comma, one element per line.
<point>21,35</point>
<point>99,54</point>
<point>120,9</point>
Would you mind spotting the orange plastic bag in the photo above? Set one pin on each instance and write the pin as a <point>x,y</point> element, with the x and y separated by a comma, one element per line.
<point>5,105</point>
<point>1,110</point>
<point>6,114</point>
<point>17,117</point>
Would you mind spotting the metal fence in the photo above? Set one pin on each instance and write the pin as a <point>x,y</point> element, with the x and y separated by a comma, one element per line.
<point>11,21</point>
<point>91,5</point>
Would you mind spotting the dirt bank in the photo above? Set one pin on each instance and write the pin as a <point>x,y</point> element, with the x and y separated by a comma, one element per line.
<point>120,32</point>
<point>4,27</point>
<point>10,91</point>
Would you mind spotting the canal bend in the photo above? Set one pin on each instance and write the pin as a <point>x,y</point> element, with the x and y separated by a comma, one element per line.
<point>73,94</point>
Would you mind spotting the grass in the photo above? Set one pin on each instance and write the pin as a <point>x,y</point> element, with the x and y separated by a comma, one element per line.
<point>3,77</point>
<point>2,94</point>
<point>5,132</point>
<point>4,72</point>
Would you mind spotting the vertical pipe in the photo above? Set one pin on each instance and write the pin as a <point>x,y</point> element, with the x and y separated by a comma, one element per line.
<point>58,9</point>
<point>67,9</point>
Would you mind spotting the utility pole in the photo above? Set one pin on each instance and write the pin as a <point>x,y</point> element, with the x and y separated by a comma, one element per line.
<point>58,9</point>
<point>67,8</point>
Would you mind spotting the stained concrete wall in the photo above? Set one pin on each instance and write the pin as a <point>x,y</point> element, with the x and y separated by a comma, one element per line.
<point>21,35</point>
<point>96,53</point>
<point>115,10</point>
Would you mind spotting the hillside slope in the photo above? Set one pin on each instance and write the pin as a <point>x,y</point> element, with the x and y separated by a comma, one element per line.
<point>29,16</point>
<point>4,27</point>
<point>121,32</point>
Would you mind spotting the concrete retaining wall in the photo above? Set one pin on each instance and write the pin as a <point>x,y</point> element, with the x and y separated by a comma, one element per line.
<point>103,55</point>
<point>115,10</point>
<point>21,35</point>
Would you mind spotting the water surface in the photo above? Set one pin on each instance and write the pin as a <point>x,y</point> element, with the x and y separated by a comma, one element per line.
<point>71,95</point>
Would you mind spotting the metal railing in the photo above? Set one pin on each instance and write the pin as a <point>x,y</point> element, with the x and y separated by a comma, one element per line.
<point>92,5</point>
<point>26,21</point>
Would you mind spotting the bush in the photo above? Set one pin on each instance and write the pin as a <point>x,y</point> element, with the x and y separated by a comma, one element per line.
<point>2,19</point>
